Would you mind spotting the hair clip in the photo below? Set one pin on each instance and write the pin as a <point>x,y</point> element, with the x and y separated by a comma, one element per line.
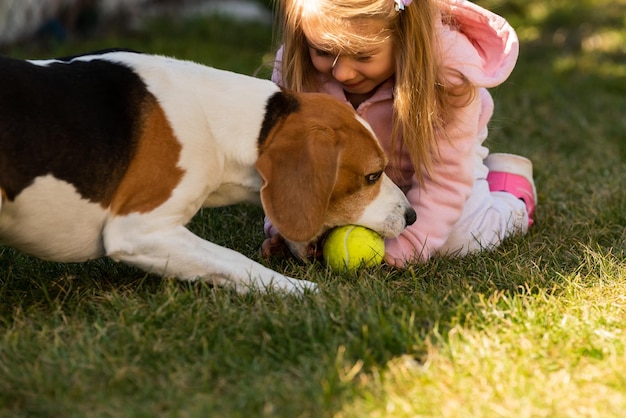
<point>400,4</point>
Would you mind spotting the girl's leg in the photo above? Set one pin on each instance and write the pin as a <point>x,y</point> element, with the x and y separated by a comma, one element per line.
<point>513,174</point>
<point>488,218</point>
<point>502,203</point>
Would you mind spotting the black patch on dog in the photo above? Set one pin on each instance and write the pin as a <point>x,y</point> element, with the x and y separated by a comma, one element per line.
<point>78,121</point>
<point>278,106</point>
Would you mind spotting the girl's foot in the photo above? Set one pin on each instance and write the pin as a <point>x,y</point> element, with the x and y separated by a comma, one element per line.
<point>513,174</point>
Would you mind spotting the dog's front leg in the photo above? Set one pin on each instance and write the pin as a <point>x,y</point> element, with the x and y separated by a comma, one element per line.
<point>176,252</point>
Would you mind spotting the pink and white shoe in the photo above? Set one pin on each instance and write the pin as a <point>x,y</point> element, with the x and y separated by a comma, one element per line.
<point>513,174</point>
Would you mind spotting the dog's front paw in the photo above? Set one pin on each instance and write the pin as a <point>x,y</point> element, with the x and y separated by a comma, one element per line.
<point>274,282</point>
<point>305,251</point>
<point>294,286</point>
<point>274,247</point>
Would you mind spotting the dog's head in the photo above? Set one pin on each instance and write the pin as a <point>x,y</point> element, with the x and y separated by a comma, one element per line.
<point>322,167</point>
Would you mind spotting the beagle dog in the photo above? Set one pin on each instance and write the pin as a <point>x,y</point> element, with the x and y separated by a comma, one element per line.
<point>112,153</point>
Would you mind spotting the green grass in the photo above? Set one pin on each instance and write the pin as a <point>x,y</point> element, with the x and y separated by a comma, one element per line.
<point>536,328</point>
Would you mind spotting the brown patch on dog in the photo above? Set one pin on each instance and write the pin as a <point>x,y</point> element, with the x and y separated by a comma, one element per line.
<point>352,191</point>
<point>332,153</point>
<point>153,172</point>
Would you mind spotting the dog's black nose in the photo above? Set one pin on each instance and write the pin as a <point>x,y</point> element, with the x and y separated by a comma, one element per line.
<point>410,216</point>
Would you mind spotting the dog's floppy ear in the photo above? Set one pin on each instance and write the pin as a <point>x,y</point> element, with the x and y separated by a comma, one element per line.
<point>299,174</point>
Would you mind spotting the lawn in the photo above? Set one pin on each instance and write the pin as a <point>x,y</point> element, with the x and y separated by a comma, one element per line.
<point>536,328</point>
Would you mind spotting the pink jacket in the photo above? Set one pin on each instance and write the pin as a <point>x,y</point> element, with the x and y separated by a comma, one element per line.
<point>484,47</point>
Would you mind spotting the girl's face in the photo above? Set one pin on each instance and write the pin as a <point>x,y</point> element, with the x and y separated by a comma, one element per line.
<point>360,72</point>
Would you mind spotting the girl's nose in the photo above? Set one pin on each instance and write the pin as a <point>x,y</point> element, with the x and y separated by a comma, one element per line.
<point>342,70</point>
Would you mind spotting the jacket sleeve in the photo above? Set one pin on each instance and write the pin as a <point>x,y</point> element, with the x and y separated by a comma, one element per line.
<point>439,203</point>
<point>277,75</point>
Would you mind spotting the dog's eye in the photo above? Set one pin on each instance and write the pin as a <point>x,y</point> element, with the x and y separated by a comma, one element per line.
<point>373,177</point>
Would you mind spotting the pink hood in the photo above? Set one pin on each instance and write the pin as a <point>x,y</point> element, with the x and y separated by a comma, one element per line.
<point>494,45</point>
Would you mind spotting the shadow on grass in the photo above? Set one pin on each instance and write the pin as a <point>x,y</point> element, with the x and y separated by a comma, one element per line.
<point>28,284</point>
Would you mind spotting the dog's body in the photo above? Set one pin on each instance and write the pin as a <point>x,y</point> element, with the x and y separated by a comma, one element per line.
<point>111,154</point>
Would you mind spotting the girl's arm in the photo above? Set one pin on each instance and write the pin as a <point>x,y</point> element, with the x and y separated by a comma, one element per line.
<point>439,204</point>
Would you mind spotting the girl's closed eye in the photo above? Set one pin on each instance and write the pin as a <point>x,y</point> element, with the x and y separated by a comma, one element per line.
<point>360,56</point>
<point>322,53</point>
<point>363,57</point>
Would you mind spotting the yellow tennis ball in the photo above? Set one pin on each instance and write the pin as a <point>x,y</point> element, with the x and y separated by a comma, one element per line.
<point>351,246</point>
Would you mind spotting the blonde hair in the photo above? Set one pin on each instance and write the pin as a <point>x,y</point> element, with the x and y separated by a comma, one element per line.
<point>424,93</point>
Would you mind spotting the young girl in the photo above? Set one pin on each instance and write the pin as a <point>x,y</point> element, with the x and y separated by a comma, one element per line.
<point>417,71</point>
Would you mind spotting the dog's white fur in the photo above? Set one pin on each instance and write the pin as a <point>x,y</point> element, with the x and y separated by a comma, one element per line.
<point>216,117</point>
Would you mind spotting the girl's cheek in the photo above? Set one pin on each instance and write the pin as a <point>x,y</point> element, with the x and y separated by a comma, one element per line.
<point>323,65</point>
